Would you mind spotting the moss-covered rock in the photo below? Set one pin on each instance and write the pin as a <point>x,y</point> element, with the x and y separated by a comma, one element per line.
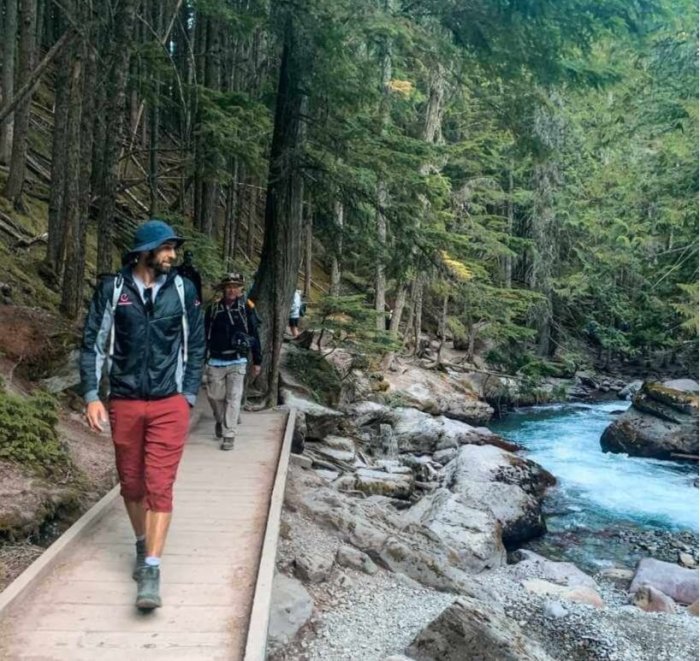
<point>661,423</point>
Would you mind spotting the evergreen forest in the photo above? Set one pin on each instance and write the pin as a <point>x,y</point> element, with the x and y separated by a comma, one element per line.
<point>519,176</point>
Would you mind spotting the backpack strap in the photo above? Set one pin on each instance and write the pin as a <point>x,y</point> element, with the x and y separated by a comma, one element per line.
<point>180,286</point>
<point>116,293</point>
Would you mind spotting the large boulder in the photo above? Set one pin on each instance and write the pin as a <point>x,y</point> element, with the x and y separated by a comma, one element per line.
<point>679,583</point>
<point>580,595</point>
<point>534,565</point>
<point>469,629</point>
<point>684,385</point>
<point>661,422</point>
<point>439,393</point>
<point>509,487</point>
<point>651,600</point>
<point>419,432</point>
<point>66,375</point>
<point>473,534</point>
<point>373,526</point>
<point>630,389</point>
<point>362,414</point>
<point>384,483</point>
<point>321,421</point>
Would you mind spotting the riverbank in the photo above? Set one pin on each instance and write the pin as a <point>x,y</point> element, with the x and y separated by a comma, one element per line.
<point>406,486</point>
<point>375,616</point>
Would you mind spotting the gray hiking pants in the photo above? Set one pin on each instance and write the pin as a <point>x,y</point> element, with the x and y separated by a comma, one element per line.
<point>225,386</point>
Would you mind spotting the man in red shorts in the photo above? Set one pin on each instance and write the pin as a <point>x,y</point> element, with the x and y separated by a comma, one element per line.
<point>145,328</point>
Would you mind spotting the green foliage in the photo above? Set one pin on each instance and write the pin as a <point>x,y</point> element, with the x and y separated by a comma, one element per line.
<point>314,371</point>
<point>348,321</point>
<point>28,433</point>
<point>689,307</point>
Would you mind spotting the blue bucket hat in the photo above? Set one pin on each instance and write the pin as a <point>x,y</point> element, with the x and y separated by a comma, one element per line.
<point>153,234</point>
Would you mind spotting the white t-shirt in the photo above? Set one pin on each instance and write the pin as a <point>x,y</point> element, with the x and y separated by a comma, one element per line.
<point>295,310</point>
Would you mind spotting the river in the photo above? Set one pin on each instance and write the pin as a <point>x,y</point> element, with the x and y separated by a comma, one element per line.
<point>602,500</point>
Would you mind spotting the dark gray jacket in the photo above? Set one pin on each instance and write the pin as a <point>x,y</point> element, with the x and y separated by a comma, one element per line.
<point>142,346</point>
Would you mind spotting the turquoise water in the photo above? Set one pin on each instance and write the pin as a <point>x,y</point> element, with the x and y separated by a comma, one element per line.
<point>600,493</point>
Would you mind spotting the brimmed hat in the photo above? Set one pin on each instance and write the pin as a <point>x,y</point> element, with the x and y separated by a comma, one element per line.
<point>153,234</point>
<point>231,279</point>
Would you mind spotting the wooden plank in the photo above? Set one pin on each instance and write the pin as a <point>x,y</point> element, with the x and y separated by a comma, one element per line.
<point>99,617</point>
<point>256,641</point>
<point>117,593</point>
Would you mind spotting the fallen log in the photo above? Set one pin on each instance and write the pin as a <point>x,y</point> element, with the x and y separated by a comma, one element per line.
<point>686,457</point>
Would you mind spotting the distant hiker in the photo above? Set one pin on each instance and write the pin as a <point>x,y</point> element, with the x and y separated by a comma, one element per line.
<point>187,270</point>
<point>145,325</point>
<point>231,325</point>
<point>298,309</point>
<point>388,315</point>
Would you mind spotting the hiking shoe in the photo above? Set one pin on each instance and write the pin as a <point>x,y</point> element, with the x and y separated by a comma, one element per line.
<point>218,430</point>
<point>227,443</point>
<point>140,558</point>
<point>148,591</point>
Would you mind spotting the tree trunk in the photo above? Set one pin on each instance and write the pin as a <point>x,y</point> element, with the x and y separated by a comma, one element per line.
<point>508,275</point>
<point>252,211</point>
<point>8,76</point>
<point>231,214</point>
<point>87,135</point>
<point>339,212</point>
<point>281,250</point>
<point>399,306</point>
<point>442,326</point>
<point>208,157</point>
<point>115,94</point>
<point>380,274</point>
<point>54,247</point>
<point>418,313</point>
<point>382,193</point>
<point>25,61</point>
<point>308,249</point>
<point>154,120</point>
<point>71,197</point>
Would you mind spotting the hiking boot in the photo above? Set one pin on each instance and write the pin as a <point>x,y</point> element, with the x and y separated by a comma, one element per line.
<point>227,443</point>
<point>140,558</point>
<point>148,591</point>
<point>218,430</point>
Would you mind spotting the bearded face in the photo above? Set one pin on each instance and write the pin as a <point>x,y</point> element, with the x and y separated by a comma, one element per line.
<point>162,259</point>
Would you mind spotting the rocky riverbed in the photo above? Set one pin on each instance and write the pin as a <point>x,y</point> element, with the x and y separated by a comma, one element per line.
<point>399,542</point>
<point>327,607</point>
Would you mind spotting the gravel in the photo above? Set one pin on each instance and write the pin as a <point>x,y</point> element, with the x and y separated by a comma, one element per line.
<point>619,632</point>
<point>357,615</point>
<point>372,617</point>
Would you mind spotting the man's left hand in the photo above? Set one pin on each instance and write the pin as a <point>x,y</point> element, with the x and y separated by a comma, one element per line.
<point>256,370</point>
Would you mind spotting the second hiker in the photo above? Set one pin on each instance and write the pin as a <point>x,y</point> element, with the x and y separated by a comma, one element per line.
<point>232,334</point>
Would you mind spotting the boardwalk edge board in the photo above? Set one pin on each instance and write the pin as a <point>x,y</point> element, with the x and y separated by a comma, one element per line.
<point>47,560</point>
<point>256,641</point>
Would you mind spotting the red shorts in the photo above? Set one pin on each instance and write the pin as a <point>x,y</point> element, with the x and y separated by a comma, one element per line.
<point>149,437</point>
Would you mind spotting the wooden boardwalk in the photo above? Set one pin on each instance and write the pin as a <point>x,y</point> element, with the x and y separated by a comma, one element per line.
<point>79,605</point>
